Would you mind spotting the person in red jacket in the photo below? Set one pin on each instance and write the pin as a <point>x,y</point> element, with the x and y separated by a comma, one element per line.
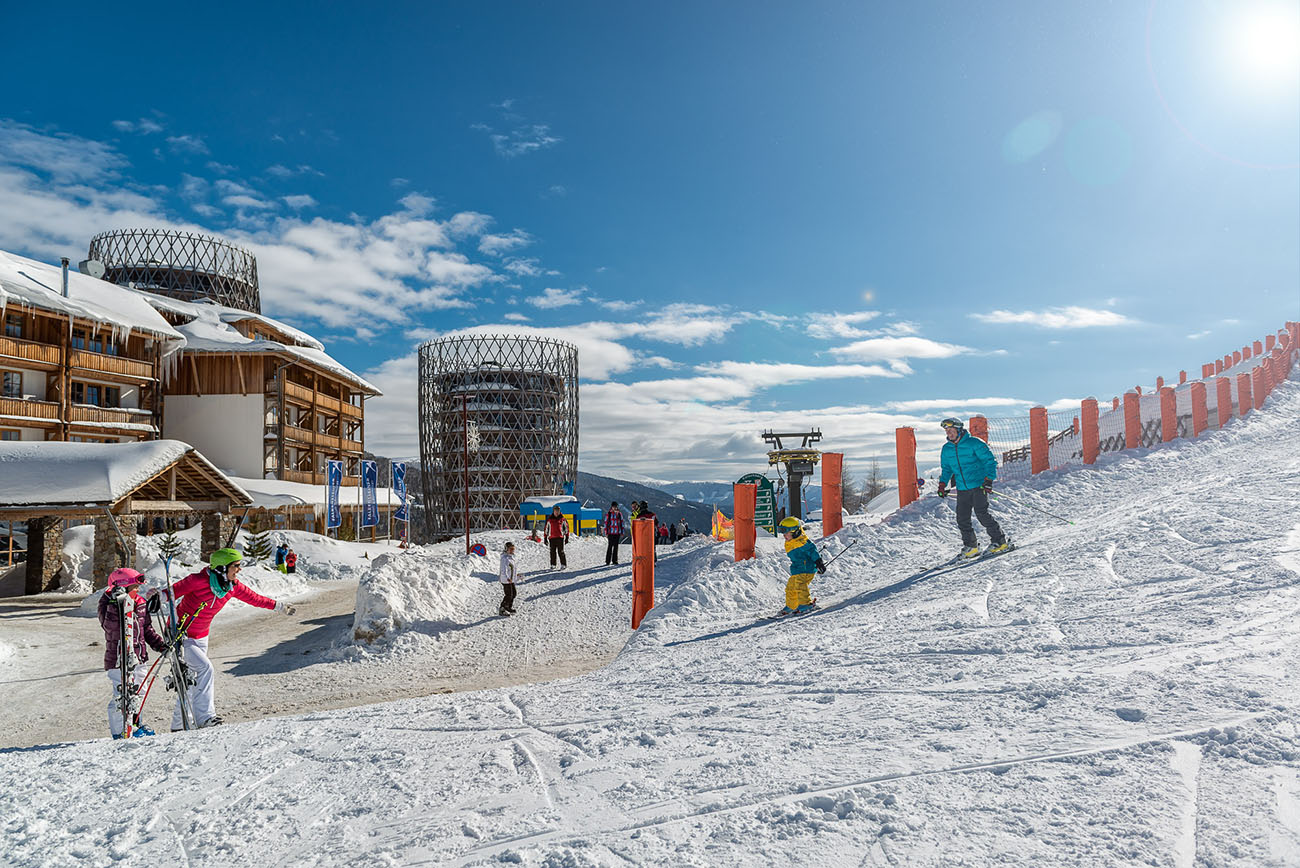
<point>557,534</point>
<point>199,597</point>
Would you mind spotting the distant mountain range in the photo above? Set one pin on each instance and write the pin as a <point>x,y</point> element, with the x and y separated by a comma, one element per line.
<point>720,493</point>
<point>600,491</point>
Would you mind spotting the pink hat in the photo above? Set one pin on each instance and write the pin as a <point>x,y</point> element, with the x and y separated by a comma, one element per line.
<point>124,577</point>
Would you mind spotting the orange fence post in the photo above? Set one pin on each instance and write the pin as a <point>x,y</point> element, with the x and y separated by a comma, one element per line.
<point>1257,347</point>
<point>905,449</point>
<point>745,497</point>
<point>1089,431</point>
<point>1236,357</point>
<point>979,427</point>
<point>1182,377</point>
<point>1160,383</point>
<point>1207,371</point>
<point>1244,403</point>
<point>1038,459</point>
<point>643,568</point>
<point>1269,340</point>
<point>1279,366</point>
<point>1257,387</point>
<point>1223,387</point>
<point>1132,420</point>
<point>832,492</point>
<point>1168,415</point>
<point>1218,366</point>
<point>1200,413</point>
<point>1114,403</point>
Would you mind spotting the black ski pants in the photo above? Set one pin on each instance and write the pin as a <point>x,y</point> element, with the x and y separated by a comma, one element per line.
<point>611,552</point>
<point>976,499</point>
<point>557,546</point>
<point>508,599</point>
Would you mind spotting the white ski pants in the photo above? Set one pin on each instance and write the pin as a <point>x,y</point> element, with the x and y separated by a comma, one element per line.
<point>202,697</point>
<point>115,722</point>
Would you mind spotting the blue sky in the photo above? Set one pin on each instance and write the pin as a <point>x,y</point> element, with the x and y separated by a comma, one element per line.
<point>748,215</point>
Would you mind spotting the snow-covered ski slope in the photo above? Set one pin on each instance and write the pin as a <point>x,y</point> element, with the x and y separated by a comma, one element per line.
<point>1118,692</point>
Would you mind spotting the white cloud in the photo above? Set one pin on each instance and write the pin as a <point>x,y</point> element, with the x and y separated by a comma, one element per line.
<point>299,202</point>
<point>242,201</point>
<point>840,326</point>
<point>617,305</point>
<point>496,245</point>
<point>62,157</point>
<point>523,140</point>
<point>896,351</point>
<point>515,316</point>
<point>923,404</point>
<point>761,375</point>
<point>1069,317</point>
<point>1197,335</point>
<point>552,298</point>
<point>187,144</point>
<point>143,126</point>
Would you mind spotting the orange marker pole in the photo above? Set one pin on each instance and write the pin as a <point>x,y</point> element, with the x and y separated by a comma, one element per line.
<point>1168,415</point>
<point>1223,395</point>
<point>1244,402</point>
<point>905,452</point>
<point>1200,415</point>
<point>643,569</point>
<point>832,492</point>
<point>1038,440</point>
<point>1132,420</point>
<point>745,497</point>
<point>1090,431</point>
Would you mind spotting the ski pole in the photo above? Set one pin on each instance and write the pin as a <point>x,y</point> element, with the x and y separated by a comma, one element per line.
<point>840,552</point>
<point>150,677</point>
<point>1031,506</point>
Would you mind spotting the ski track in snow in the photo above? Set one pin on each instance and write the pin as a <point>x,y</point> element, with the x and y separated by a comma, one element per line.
<point>1117,692</point>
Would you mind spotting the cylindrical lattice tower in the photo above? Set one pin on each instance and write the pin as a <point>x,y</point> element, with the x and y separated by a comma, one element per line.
<point>184,265</point>
<point>519,396</point>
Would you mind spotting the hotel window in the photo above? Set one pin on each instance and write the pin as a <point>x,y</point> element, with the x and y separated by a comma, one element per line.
<point>13,384</point>
<point>10,434</point>
<point>78,339</point>
<point>14,325</point>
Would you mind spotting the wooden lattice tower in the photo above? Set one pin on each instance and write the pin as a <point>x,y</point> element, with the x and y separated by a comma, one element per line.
<point>184,265</point>
<point>519,396</point>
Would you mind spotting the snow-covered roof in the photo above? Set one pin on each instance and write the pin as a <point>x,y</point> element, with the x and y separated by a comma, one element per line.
<point>209,328</point>
<point>270,493</point>
<point>546,502</point>
<point>55,472</point>
<point>29,283</point>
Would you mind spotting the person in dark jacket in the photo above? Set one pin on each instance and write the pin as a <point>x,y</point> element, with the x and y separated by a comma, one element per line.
<point>968,463</point>
<point>557,534</point>
<point>672,533</point>
<point>613,530</point>
<point>126,582</point>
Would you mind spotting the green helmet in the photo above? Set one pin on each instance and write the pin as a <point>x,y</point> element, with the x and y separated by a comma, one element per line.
<point>223,558</point>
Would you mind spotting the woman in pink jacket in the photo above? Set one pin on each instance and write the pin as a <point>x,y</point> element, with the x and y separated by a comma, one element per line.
<point>199,597</point>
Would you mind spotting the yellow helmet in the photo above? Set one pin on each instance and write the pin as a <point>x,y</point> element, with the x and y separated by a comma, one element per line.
<point>791,525</point>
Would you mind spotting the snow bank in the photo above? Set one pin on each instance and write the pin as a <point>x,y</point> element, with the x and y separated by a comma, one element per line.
<point>416,587</point>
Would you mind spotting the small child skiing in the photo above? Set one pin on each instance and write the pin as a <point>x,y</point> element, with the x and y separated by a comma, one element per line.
<point>804,560</point>
<point>508,575</point>
<point>126,583</point>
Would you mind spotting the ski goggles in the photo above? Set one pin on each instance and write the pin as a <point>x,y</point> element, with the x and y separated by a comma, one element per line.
<point>950,423</point>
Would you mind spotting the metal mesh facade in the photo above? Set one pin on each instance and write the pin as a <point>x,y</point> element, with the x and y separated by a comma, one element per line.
<point>519,396</point>
<point>184,265</point>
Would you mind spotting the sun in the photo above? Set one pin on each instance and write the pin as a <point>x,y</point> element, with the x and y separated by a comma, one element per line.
<point>1264,42</point>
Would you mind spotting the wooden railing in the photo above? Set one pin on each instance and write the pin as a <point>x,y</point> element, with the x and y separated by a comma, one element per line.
<point>29,351</point>
<point>111,364</point>
<point>316,478</point>
<point>30,409</point>
<point>327,441</point>
<point>323,401</point>
<point>82,413</point>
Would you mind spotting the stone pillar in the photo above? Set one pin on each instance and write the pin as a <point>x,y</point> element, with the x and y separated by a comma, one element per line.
<point>108,550</point>
<point>44,553</point>
<point>217,528</point>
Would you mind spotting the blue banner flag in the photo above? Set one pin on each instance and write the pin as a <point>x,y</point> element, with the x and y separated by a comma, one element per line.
<point>369,506</point>
<point>399,486</point>
<point>333,482</point>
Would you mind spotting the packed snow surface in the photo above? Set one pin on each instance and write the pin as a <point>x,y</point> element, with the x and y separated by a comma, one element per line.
<point>36,472</point>
<point>1118,691</point>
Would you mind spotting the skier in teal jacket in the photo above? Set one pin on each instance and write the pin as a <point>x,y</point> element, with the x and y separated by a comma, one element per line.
<point>804,561</point>
<point>969,465</point>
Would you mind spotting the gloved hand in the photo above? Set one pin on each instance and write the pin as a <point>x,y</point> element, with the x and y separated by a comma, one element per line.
<point>284,607</point>
<point>943,491</point>
<point>155,603</point>
<point>821,567</point>
<point>988,484</point>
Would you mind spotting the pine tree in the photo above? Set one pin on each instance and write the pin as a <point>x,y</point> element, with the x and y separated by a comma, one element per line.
<point>169,546</point>
<point>259,546</point>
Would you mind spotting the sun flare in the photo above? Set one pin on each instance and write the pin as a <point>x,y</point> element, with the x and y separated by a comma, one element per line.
<point>1265,43</point>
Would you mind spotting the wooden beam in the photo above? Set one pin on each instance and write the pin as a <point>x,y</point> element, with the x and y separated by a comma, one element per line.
<point>145,506</point>
<point>194,369</point>
<point>171,484</point>
<point>239,365</point>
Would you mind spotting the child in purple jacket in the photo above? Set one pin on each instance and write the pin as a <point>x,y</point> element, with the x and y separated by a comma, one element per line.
<point>125,581</point>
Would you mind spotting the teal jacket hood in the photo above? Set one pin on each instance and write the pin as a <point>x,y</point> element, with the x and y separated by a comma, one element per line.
<point>967,462</point>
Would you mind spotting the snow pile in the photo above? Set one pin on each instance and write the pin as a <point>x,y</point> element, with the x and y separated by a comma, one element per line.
<point>1120,691</point>
<point>413,588</point>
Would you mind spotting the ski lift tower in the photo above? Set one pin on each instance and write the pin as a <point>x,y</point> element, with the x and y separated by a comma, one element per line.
<point>799,462</point>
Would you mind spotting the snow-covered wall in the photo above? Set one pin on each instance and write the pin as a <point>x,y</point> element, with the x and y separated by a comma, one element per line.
<point>227,429</point>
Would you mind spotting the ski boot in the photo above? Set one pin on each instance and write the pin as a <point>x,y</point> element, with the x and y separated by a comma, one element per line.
<point>211,721</point>
<point>806,608</point>
<point>504,613</point>
<point>786,611</point>
<point>969,552</point>
<point>1004,546</point>
<point>142,730</point>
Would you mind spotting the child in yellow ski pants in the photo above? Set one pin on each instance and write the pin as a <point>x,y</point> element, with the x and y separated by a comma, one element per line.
<point>804,562</point>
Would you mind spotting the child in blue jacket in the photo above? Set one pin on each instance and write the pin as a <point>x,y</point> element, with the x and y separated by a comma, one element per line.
<point>804,561</point>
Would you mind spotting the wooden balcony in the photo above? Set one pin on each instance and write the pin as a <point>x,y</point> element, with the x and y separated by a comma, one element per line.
<point>323,441</point>
<point>29,351</point>
<point>113,365</point>
<point>310,478</point>
<point>107,415</point>
<point>43,410</point>
<point>303,395</point>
